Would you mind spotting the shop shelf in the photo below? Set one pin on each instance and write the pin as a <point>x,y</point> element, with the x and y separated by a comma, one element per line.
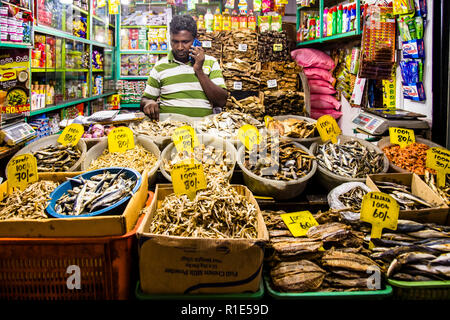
<point>97,70</point>
<point>77,70</point>
<point>130,105</point>
<point>8,44</point>
<point>137,27</point>
<point>58,33</point>
<point>420,290</point>
<point>36,268</point>
<point>143,52</point>
<point>80,10</point>
<point>133,77</point>
<point>330,38</point>
<point>16,6</point>
<point>100,19</point>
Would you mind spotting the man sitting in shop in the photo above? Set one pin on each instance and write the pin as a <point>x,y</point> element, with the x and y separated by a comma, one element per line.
<point>186,81</point>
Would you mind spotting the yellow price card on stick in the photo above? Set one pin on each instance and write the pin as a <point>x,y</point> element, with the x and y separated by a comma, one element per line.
<point>267,120</point>
<point>120,139</point>
<point>439,160</point>
<point>299,222</point>
<point>328,128</point>
<point>381,211</point>
<point>71,134</point>
<point>188,177</point>
<point>22,170</point>
<point>401,136</point>
<point>248,135</point>
<point>185,139</point>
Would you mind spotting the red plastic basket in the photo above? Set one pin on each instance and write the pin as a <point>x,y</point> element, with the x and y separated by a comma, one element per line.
<point>37,268</point>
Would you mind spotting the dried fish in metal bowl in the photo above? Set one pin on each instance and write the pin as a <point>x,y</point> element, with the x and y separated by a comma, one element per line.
<point>216,212</point>
<point>56,158</point>
<point>29,203</point>
<point>96,193</point>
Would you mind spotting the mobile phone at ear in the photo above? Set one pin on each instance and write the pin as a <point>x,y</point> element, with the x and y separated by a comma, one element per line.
<point>196,43</point>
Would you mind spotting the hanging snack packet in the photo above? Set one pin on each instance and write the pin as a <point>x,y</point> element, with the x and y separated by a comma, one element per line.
<point>403,6</point>
<point>419,27</point>
<point>421,7</point>
<point>404,30</point>
<point>257,5</point>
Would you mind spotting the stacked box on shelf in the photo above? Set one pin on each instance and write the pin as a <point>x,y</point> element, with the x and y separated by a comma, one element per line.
<point>130,91</point>
<point>137,65</point>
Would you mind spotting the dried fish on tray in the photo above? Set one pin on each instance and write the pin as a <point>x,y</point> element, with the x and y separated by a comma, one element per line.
<point>29,203</point>
<point>349,159</point>
<point>443,192</point>
<point>241,75</point>
<point>216,212</point>
<point>211,43</point>
<point>137,158</point>
<point>57,158</point>
<point>98,192</point>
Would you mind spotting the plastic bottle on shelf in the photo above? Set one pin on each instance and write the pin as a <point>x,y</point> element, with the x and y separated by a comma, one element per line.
<point>325,17</point>
<point>201,23</point>
<point>345,20</point>
<point>217,20</point>
<point>48,96</point>
<point>234,21</point>
<point>317,27</point>
<point>41,97</point>
<point>334,21</point>
<point>209,21</point>
<point>330,22</point>
<point>243,20</point>
<point>312,28</point>
<point>353,18</point>
<point>251,21</point>
<point>339,19</point>
<point>34,96</point>
<point>226,20</point>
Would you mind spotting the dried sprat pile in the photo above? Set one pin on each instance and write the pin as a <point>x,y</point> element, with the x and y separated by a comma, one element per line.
<point>278,160</point>
<point>27,204</point>
<point>216,212</point>
<point>300,265</point>
<point>349,159</point>
<point>353,198</point>
<point>137,158</point>
<point>56,158</point>
<point>157,128</point>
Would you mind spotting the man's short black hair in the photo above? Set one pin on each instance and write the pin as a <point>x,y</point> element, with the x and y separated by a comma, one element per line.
<point>183,22</point>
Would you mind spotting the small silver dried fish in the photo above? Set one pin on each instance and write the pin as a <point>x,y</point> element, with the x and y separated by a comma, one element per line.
<point>56,158</point>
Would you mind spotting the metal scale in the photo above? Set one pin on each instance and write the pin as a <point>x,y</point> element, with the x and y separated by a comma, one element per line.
<point>377,121</point>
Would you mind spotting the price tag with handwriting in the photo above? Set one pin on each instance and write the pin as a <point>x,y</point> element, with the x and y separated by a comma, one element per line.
<point>277,47</point>
<point>299,222</point>
<point>248,135</point>
<point>120,140</point>
<point>381,211</point>
<point>188,177</point>
<point>22,170</point>
<point>272,83</point>
<point>71,134</point>
<point>242,47</point>
<point>401,136</point>
<point>185,139</point>
<point>237,85</point>
<point>328,128</point>
<point>439,160</point>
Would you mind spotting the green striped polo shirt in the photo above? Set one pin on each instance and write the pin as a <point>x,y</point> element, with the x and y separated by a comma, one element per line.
<point>179,89</point>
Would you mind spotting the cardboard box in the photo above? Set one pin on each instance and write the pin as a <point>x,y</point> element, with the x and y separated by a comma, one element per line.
<point>418,188</point>
<point>181,265</point>
<point>112,225</point>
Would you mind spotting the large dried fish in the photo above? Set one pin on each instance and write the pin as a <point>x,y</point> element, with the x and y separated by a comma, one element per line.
<point>347,260</point>
<point>56,158</point>
<point>297,276</point>
<point>29,203</point>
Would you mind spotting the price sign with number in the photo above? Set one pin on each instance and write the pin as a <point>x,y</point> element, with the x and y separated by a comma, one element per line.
<point>272,83</point>
<point>401,136</point>
<point>237,85</point>
<point>439,160</point>
<point>22,170</point>
<point>381,211</point>
<point>71,134</point>
<point>248,135</point>
<point>242,47</point>
<point>185,139</point>
<point>328,128</point>
<point>277,47</point>
<point>188,177</point>
<point>299,222</point>
<point>120,140</point>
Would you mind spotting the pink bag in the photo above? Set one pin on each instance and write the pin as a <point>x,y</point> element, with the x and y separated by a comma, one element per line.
<point>317,113</point>
<point>307,57</point>
<point>319,104</point>
<point>321,90</point>
<point>320,83</point>
<point>325,98</point>
<point>319,74</point>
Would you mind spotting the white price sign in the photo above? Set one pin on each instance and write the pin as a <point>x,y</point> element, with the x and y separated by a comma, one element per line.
<point>237,85</point>
<point>272,83</point>
<point>242,47</point>
<point>206,44</point>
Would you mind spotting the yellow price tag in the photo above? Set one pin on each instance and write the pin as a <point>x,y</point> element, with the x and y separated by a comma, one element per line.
<point>328,128</point>
<point>248,135</point>
<point>277,47</point>
<point>299,222</point>
<point>120,139</point>
<point>401,136</point>
<point>381,211</point>
<point>267,120</point>
<point>188,177</point>
<point>71,134</point>
<point>22,170</point>
<point>439,160</point>
<point>185,139</point>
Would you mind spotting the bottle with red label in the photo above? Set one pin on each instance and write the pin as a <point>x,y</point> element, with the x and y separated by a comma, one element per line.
<point>234,21</point>
<point>251,21</point>
<point>243,20</point>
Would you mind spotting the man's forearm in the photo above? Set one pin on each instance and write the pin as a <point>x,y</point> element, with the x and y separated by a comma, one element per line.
<point>215,94</point>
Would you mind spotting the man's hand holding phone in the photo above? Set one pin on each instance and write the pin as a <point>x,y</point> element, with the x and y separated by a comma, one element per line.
<point>197,55</point>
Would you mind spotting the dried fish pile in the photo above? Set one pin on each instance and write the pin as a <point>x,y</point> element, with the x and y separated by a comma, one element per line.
<point>286,74</point>
<point>301,265</point>
<point>137,158</point>
<point>403,195</point>
<point>413,157</point>
<point>349,159</point>
<point>216,212</point>
<point>96,193</point>
<point>443,192</point>
<point>157,128</point>
<point>29,203</point>
<point>216,162</point>
<point>282,102</point>
<point>226,124</point>
<point>57,158</point>
<point>242,44</point>
<point>211,43</point>
<point>414,252</point>
<point>293,128</point>
<point>251,105</point>
<point>273,46</point>
<point>241,75</point>
<point>278,160</point>
<point>353,198</point>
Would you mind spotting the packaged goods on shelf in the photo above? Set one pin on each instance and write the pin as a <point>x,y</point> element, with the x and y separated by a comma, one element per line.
<point>130,91</point>
<point>145,18</point>
<point>14,24</point>
<point>346,70</point>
